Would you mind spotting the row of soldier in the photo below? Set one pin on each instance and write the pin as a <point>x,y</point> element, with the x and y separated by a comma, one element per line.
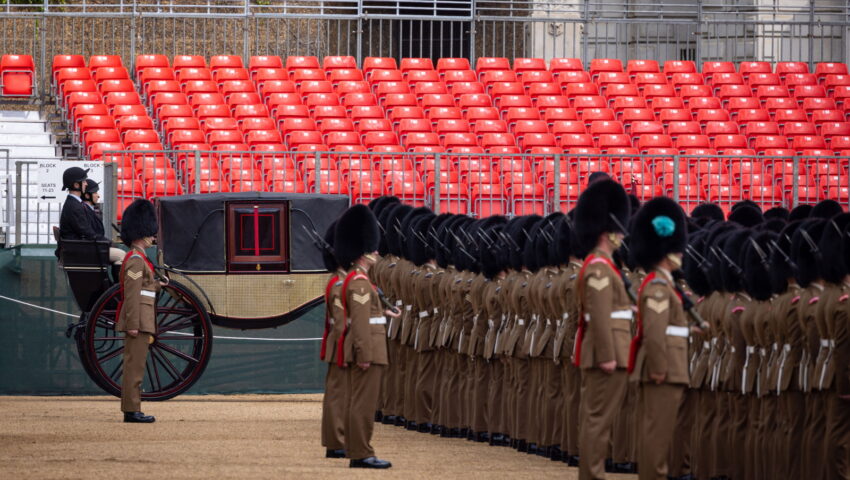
<point>526,331</point>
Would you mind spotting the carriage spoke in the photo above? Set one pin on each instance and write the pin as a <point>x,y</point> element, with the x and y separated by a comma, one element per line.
<point>166,363</point>
<point>178,337</point>
<point>103,339</point>
<point>117,372</point>
<point>157,386</point>
<point>111,355</point>
<point>178,353</point>
<point>168,327</point>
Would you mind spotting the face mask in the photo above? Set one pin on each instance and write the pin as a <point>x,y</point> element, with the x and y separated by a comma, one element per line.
<point>616,240</point>
<point>675,259</point>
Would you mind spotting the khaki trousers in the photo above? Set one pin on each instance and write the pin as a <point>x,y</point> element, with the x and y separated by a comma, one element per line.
<point>623,436</point>
<point>426,370</point>
<point>495,395</point>
<point>409,382</point>
<point>815,429</point>
<point>334,403</point>
<point>481,411</point>
<point>571,388</point>
<point>135,358</point>
<point>679,462</point>
<point>837,440</point>
<point>701,435</point>
<point>521,428</point>
<point>552,403</point>
<point>363,390</point>
<point>602,395</point>
<point>658,406</point>
<point>791,418</point>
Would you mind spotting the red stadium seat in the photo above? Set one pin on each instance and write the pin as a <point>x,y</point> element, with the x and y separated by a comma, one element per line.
<point>17,74</point>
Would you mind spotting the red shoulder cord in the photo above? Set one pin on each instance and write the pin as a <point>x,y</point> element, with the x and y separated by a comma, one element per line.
<point>121,278</point>
<point>637,341</point>
<point>328,308</point>
<point>581,322</point>
<point>340,352</point>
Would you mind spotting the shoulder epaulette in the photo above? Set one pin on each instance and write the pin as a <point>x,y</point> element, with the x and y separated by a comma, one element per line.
<point>429,275</point>
<point>658,281</point>
<point>814,300</point>
<point>795,300</point>
<point>573,276</point>
<point>843,298</point>
<point>738,309</point>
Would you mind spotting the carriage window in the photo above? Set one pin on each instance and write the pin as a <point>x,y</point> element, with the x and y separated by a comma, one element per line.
<point>258,237</point>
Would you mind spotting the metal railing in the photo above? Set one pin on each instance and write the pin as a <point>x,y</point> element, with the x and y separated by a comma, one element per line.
<point>473,182</point>
<point>701,30</point>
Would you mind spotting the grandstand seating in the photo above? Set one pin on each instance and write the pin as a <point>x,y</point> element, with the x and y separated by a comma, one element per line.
<point>378,122</point>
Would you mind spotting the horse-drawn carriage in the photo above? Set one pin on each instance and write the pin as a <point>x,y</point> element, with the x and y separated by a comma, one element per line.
<point>240,260</point>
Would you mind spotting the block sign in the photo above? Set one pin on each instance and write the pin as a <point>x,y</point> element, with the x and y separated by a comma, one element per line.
<point>50,177</point>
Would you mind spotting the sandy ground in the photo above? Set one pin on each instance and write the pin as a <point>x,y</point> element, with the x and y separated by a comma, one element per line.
<point>241,436</point>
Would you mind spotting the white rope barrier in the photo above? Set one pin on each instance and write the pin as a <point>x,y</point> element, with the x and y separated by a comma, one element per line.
<point>217,337</point>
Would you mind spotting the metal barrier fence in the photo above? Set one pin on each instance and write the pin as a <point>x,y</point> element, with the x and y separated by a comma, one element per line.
<point>471,182</point>
<point>701,30</point>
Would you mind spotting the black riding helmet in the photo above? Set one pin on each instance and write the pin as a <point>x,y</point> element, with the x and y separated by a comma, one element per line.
<point>72,176</point>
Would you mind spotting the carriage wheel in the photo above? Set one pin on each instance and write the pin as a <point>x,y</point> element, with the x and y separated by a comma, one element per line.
<point>177,357</point>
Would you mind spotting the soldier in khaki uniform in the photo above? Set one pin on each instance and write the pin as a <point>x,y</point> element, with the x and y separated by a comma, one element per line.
<point>756,266</point>
<point>791,405</point>
<point>364,338</point>
<point>137,309</point>
<point>335,399</point>
<point>564,343</point>
<point>805,253</point>
<point>834,374</point>
<point>605,321</point>
<point>659,354</point>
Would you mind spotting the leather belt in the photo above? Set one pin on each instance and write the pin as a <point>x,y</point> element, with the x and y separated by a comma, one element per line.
<point>377,321</point>
<point>148,293</point>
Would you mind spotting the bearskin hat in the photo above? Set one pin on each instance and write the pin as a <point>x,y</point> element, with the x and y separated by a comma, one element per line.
<point>658,229</point>
<point>745,203</point>
<point>693,264</point>
<point>756,265</point>
<point>484,236</point>
<point>731,269</point>
<point>780,268</point>
<point>392,218</point>
<point>833,246</point>
<point>780,213</point>
<point>406,234</point>
<point>804,254</point>
<point>559,249</point>
<point>379,204</point>
<point>356,234</point>
<point>494,257</point>
<point>434,242</point>
<point>519,231</point>
<point>596,206</point>
<point>746,215</point>
<point>138,221</point>
<point>712,253</point>
<point>443,234</point>
<point>708,211</point>
<point>328,255</point>
<point>418,246</point>
<point>826,209</point>
<point>800,212</point>
<point>774,225</point>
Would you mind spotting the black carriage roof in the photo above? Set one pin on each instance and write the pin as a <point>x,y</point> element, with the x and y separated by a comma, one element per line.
<point>192,236</point>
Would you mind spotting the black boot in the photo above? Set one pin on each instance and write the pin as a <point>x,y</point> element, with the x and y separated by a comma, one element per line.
<point>378,416</point>
<point>437,429</point>
<point>388,420</point>
<point>369,462</point>
<point>335,453</point>
<point>411,425</point>
<point>555,454</point>
<point>400,421</point>
<point>425,428</point>
<point>138,417</point>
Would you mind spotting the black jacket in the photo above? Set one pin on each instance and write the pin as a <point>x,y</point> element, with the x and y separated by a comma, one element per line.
<point>75,223</point>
